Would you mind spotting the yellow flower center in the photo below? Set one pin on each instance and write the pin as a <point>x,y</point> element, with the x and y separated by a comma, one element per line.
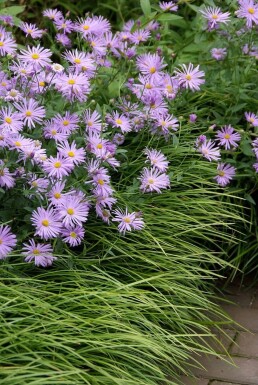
<point>153,105</point>
<point>101,182</point>
<point>163,123</point>
<point>188,77</point>
<point>77,61</point>
<point>153,70</point>
<point>251,120</point>
<point>227,136</point>
<point>29,30</point>
<point>214,17</point>
<point>36,252</point>
<point>42,84</point>
<point>70,211</point>
<point>23,71</point>
<point>28,113</point>
<point>118,121</point>
<point>73,234</point>
<point>1,43</point>
<point>17,144</point>
<point>127,220</point>
<point>221,173</point>
<point>8,120</point>
<point>71,154</point>
<point>53,132</point>
<point>99,146</point>
<point>86,27</point>
<point>93,44</point>
<point>57,195</point>
<point>57,164</point>
<point>90,123</point>
<point>169,88</point>
<point>45,222</point>
<point>71,81</point>
<point>148,86</point>
<point>34,184</point>
<point>251,10</point>
<point>150,181</point>
<point>35,56</point>
<point>1,172</point>
<point>84,68</point>
<point>66,122</point>
<point>63,25</point>
<point>4,84</point>
<point>1,241</point>
<point>13,93</point>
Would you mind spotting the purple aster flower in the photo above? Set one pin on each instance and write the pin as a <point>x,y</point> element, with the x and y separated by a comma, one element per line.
<point>209,150</point>
<point>225,174</point>
<point>70,151</point>
<point>67,26</point>
<point>96,25</point>
<point>31,112</point>
<point>200,140</point>
<point>57,68</point>
<point>218,53</point>
<point>56,195</point>
<point>248,10</point>
<point>192,118</point>
<point>152,180</point>
<point>215,16</point>
<point>128,221</point>
<point>157,159</point>
<point>150,65</point>
<point>252,118</point>
<point>40,254</point>
<point>53,14</point>
<point>7,45</point>
<point>10,122</point>
<point>7,19</point>
<point>73,86</point>
<point>63,39</point>
<point>31,30</point>
<point>73,235</point>
<point>58,167</point>
<point>118,139</point>
<point>101,183</point>
<point>120,121</point>
<point>255,147</point>
<point>139,36</point>
<point>7,241</point>
<point>81,62</point>
<point>228,137</point>
<point>6,177</point>
<point>37,56</point>
<point>190,77</point>
<point>47,223</point>
<point>13,96</point>
<point>67,123</point>
<point>73,211</point>
<point>168,6</point>
<point>93,121</point>
<point>255,166</point>
<point>163,124</point>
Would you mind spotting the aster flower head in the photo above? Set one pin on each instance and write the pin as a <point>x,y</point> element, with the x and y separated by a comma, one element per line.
<point>168,6</point>
<point>218,53</point>
<point>252,118</point>
<point>73,235</point>
<point>6,177</point>
<point>7,241</point>
<point>93,121</point>
<point>67,123</point>
<point>46,222</point>
<point>70,151</point>
<point>73,211</point>
<point>228,137</point>
<point>128,221</point>
<point>63,39</point>
<point>209,150</point>
<point>248,10</point>
<point>7,45</point>
<point>31,112</point>
<point>150,65</point>
<point>152,180</point>
<point>58,167</point>
<point>66,26</point>
<point>92,26</point>
<point>215,16</point>
<point>38,56</point>
<point>157,159</point>
<point>31,30</point>
<point>10,122</point>
<point>40,254</point>
<point>190,77</point>
<point>255,147</point>
<point>73,86</point>
<point>53,14</point>
<point>225,173</point>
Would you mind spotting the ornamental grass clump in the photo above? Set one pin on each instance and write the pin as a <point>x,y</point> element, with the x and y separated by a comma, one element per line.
<point>114,212</point>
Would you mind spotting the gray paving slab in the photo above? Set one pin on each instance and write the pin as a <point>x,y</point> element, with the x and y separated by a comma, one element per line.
<point>195,381</point>
<point>246,345</point>
<point>244,371</point>
<point>247,317</point>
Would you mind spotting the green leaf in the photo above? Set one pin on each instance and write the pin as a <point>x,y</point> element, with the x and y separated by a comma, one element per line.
<point>13,11</point>
<point>146,8</point>
<point>173,19</point>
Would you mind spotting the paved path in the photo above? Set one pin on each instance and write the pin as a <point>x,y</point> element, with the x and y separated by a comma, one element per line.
<point>241,344</point>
